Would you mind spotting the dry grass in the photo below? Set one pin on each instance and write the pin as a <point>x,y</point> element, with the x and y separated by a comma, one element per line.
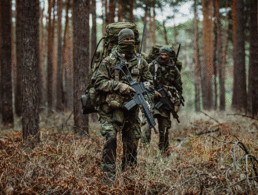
<point>205,157</point>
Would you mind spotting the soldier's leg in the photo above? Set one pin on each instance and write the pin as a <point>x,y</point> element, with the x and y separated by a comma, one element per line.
<point>146,132</point>
<point>130,136</point>
<point>108,162</point>
<point>164,126</point>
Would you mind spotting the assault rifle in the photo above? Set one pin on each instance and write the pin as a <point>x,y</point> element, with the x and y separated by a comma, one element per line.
<point>165,101</point>
<point>138,95</point>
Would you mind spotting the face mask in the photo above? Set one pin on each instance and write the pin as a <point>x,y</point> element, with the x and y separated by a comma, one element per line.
<point>127,48</point>
<point>162,60</point>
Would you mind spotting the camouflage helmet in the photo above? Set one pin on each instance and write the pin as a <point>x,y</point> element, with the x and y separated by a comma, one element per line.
<point>124,34</point>
<point>166,49</point>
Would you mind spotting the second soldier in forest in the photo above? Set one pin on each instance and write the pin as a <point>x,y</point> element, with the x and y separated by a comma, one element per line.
<point>165,70</point>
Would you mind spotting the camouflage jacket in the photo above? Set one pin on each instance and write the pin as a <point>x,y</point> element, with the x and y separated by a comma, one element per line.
<point>105,77</point>
<point>169,78</point>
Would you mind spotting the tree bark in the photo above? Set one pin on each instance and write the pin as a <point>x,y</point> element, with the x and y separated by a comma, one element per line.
<point>42,81</point>
<point>94,116</point>
<point>197,62</point>
<point>65,54</point>
<point>239,102</point>
<point>0,56</point>
<point>215,46</point>
<point>154,25</point>
<point>221,66</point>
<point>119,12</point>
<point>253,62</point>
<point>145,21</point>
<point>6,65</point>
<point>80,62</point>
<point>224,57</point>
<point>174,20</point>
<point>165,32</point>
<point>150,34</point>
<point>131,11</point>
<point>94,28</point>
<point>19,55</point>
<point>112,11</point>
<point>103,17</point>
<point>49,60</point>
<point>207,91</point>
<point>54,54</point>
<point>59,80</point>
<point>30,66</point>
<point>106,12</point>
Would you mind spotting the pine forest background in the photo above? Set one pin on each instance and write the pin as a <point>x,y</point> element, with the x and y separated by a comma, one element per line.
<point>48,147</point>
<point>219,51</point>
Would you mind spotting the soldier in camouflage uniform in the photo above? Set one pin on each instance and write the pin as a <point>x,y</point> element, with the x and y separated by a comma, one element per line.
<point>114,88</point>
<point>168,76</point>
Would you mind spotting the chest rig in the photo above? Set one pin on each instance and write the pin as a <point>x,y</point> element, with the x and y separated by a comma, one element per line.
<point>164,75</point>
<point>135,70</point>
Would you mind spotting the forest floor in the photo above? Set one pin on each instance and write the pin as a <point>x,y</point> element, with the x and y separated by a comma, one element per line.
<point>208,154</point>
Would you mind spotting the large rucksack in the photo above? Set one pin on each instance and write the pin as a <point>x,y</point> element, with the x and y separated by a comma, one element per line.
<point>91,99</point>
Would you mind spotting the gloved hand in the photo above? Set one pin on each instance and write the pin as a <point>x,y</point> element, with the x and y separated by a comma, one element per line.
<point>123,88</point>
<point>176,108</point>
<point>157,94</point>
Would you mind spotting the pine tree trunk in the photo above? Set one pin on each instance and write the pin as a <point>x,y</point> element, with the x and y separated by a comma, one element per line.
<point>103,17</point>
<point>59,80</point>
<point>54,54</point>
<point>220,57</point>
<point>49,60</point>
<point>106,12</point>
<point>112,11</point>
<point>145,21</point>
<point>215,46</point>
<point>131,11</point>
<point>197,62</point>
<point>42,81</point>
<point>80,62</point>
<point>119,12</point>
<point>239,102</point>
<point>0,56</point>
<point>94,28</point>
<point>253,62</point>
<point>19,55</point>
<point>150,34</point>
<point>65,54</point>
<point>154,25</point>
<point>174,20</point>
<point>94,116</point>
<point>165,32</point>
<point>224,57</point>
<point>6,65</point>
<point>207,91</point>
<point>30,81</point>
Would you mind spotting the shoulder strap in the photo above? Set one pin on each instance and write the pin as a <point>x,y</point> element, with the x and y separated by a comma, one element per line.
<point>155,69</point>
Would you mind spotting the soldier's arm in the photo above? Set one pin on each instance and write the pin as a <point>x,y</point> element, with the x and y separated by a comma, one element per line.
<point>178,83</point>
<point>103,82</point>
<point>147,76</point>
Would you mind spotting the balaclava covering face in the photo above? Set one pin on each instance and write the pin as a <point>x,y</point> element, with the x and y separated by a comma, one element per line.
<point>126,47</point>
<point>167,50</point>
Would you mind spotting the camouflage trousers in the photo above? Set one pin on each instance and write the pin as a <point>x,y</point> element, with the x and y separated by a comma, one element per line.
<point>130,136</point>
<point>164,124</point>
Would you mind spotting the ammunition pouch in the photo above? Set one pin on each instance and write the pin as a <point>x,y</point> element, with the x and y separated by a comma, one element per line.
<point>89,100</point>
<point>114,101</point>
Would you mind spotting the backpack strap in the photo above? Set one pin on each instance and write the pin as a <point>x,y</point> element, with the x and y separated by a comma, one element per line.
<point>155,69</point>
<point>117,73</point>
